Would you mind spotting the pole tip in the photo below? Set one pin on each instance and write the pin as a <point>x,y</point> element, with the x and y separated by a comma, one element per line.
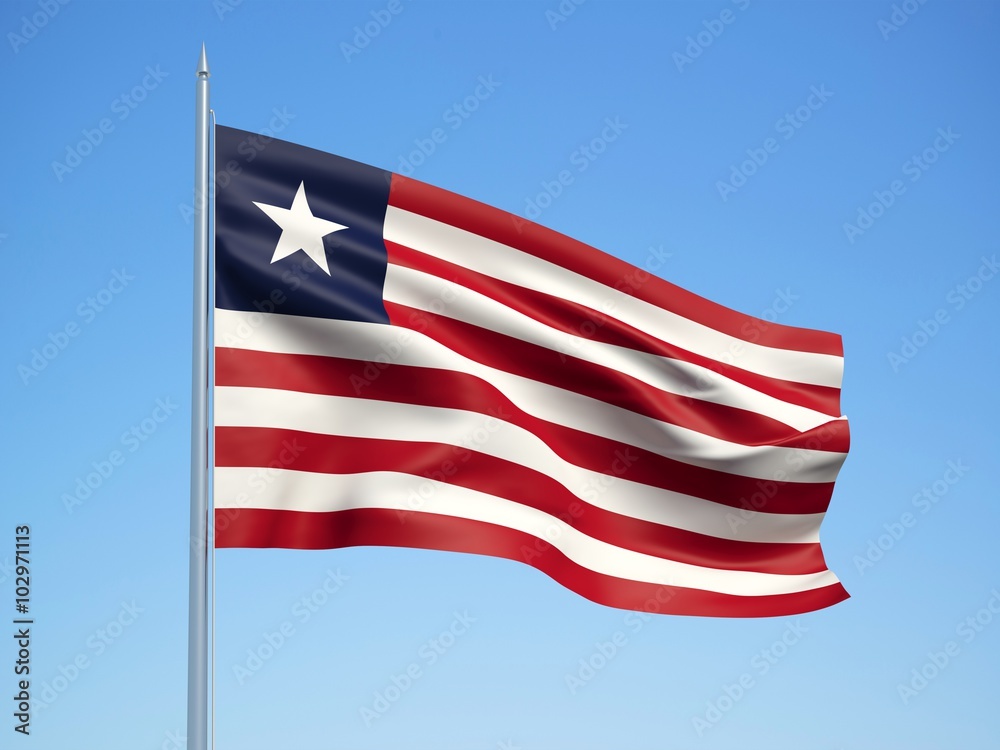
<point>203,62</point>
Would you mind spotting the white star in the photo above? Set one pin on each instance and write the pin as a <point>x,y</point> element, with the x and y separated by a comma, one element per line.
<point>300,230</point>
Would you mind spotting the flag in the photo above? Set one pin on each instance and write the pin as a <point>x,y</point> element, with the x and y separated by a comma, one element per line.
<point>398,365</point>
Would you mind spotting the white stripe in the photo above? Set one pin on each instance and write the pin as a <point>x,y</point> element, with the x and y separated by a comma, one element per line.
<point>389,490</point>
<point>382,420</point>
<point>294,334</point>
<point>423,291</point>
<point>506,263</point>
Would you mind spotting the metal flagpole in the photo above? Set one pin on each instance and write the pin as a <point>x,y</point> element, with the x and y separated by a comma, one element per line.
<point>197,710</point>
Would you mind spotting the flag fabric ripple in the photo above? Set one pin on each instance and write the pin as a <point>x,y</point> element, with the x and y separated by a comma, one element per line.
<point>398,365</point>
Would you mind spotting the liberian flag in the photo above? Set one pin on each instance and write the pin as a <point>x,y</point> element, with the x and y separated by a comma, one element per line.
<point>397,365</point>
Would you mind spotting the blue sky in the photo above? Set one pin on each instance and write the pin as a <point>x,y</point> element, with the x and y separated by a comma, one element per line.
<point>747,135</point>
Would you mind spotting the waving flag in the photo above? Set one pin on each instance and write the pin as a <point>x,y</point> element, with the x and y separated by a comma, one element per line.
<point>398,365</point>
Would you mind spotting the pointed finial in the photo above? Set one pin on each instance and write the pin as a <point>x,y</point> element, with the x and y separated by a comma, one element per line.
<point>203,63</point>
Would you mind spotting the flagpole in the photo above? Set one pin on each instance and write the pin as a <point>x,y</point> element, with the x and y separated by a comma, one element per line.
<point>197,709</point>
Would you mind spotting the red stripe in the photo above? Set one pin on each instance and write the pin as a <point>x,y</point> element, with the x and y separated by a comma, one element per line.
<point>595,381</point>
<point>492,223</point>
<point>447,389</point>
<point>246,527</point>
<point>326,454</point>
<point>578,320</point>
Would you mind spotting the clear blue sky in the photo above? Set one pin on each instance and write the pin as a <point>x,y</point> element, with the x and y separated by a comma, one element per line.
<point>847,110</point>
